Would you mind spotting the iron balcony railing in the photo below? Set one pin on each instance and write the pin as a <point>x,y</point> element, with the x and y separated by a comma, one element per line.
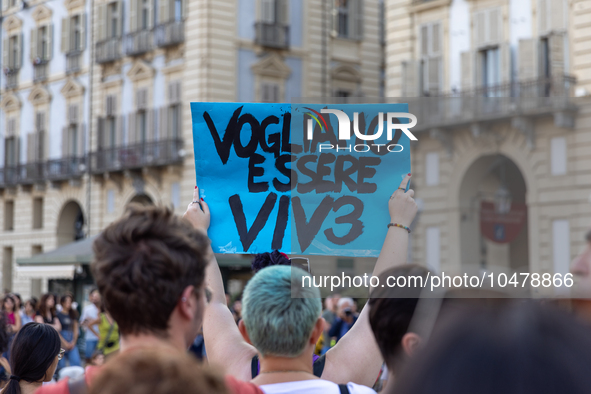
<point>40,71</point>
<point>139,42</point>
<point>73,61</point>
<point>272,35</point>
<point>37,172</point>
<point>65,168</point>
<point>9,176</point>
<point>136,156</point>
<point>108,50</point>
<point>170,33</point>
<point>488,103</point>
<point>11,78</point>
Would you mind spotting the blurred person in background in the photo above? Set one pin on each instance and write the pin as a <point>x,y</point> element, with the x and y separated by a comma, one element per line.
<point>13,316</point>
<point>346,316</point>
<point>581,291</point>
<point>68,318</point>
<point>391,312</point>
<point>522,347</point>
<point>356,357</point>
<point>150,371</point>
<point>34,356</point>
<point>4,343</point>
<point>149,267</point>
<point>90,313</point>
<point>19,306</point>
<point>237,309</point>
<point>284,330</point>
<point>47,313</point>
<point>28,312</point>
<point>97,359</point>
<point>108,343</point>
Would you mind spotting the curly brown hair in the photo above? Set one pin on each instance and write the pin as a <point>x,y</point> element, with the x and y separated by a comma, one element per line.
<point>143,263</point>
<point>157,371</point>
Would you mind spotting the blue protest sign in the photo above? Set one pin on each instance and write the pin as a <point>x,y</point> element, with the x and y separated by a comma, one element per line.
<point>281,176</point>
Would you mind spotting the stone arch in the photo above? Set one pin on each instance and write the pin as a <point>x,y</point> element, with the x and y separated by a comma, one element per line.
<point>70,223</point>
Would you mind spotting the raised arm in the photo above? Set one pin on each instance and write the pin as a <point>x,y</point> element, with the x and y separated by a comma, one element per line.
<point>223,342</point>
<point>359,343</point>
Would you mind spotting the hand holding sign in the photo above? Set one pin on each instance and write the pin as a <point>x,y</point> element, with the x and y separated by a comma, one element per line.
<point>402,205</point>
<point>198,213</point>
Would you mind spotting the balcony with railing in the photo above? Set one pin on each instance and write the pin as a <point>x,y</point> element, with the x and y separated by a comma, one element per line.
<point>137,156</point>
<point>39,172</point>
<point>30,173</point>
<point>272,35</point>
<point>9,176</point>
<point>170,33</point>
<point>40,70</point>
<point>108,50</point>
<point>65,168</point>
<point>139,42</point>
<point>11,78</point>
<point>73,61</point>
<point>547,95</point>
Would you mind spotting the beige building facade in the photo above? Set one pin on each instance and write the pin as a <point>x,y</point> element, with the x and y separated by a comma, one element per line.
<point>95,110</point>
<point>502,95</point>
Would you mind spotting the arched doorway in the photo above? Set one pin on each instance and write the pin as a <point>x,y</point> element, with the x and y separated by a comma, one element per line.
<point>493,216</point>
<point>70,225</point>
<point>142,199</point>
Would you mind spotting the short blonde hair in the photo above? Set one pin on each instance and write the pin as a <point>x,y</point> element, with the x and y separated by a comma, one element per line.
<point>156,371</point>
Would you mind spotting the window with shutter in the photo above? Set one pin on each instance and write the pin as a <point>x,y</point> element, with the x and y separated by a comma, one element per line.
<point>269,93</point>
<point>34,41</point>
<point>73,114</point>
<point>40,121</point>
<point>528,59</point>
<point>142,98</point>
<point>410,80</point>
<point>431,64</point>
<point>268,11</point>
<point>174,92</point>
<point>552,16</point>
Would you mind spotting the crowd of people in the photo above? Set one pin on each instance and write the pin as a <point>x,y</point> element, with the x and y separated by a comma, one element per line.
<point>160,288</point>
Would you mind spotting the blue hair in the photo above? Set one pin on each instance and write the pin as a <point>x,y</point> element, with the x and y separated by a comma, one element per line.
<point>277,322</point>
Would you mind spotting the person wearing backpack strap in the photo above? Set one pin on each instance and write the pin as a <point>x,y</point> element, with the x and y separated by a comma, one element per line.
<point>149,267</point>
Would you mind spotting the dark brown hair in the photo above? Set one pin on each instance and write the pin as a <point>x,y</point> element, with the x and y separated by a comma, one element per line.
<point>157,371</point>
<point>43,305</point>
<point>143,263</point>
<point>392,309</point>
<point>73,313</point>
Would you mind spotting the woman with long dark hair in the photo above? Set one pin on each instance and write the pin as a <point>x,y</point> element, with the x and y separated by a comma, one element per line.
<point>47,313</point>
<point>12,314</point>
<point>34,355</point>
<point>68,318</point>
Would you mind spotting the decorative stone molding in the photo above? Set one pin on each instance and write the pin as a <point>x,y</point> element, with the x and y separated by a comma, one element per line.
<point>140,70</point>
<point>39,95</point>
<point>272,66</point>
<point>72,88</point>
<point>41,13</point>
<point>445,139</point>
<point>346,72</point>
<point>526,127</point>
<point>10,102</point>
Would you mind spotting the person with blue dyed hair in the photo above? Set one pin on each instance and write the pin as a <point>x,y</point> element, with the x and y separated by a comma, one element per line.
<point>356,357</point>
<point>282,320</point>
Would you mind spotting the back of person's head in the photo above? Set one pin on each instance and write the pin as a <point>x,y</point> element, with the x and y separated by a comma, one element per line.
<point>392,309</point>
<point>521,347</point>
<point>143,263</point>
<point>268,259</point>
<point>278,319</point>
<point>154,371</point>
<point>33,355</point>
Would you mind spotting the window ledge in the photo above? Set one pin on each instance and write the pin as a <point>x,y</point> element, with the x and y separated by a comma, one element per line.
<point>427,5</point>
